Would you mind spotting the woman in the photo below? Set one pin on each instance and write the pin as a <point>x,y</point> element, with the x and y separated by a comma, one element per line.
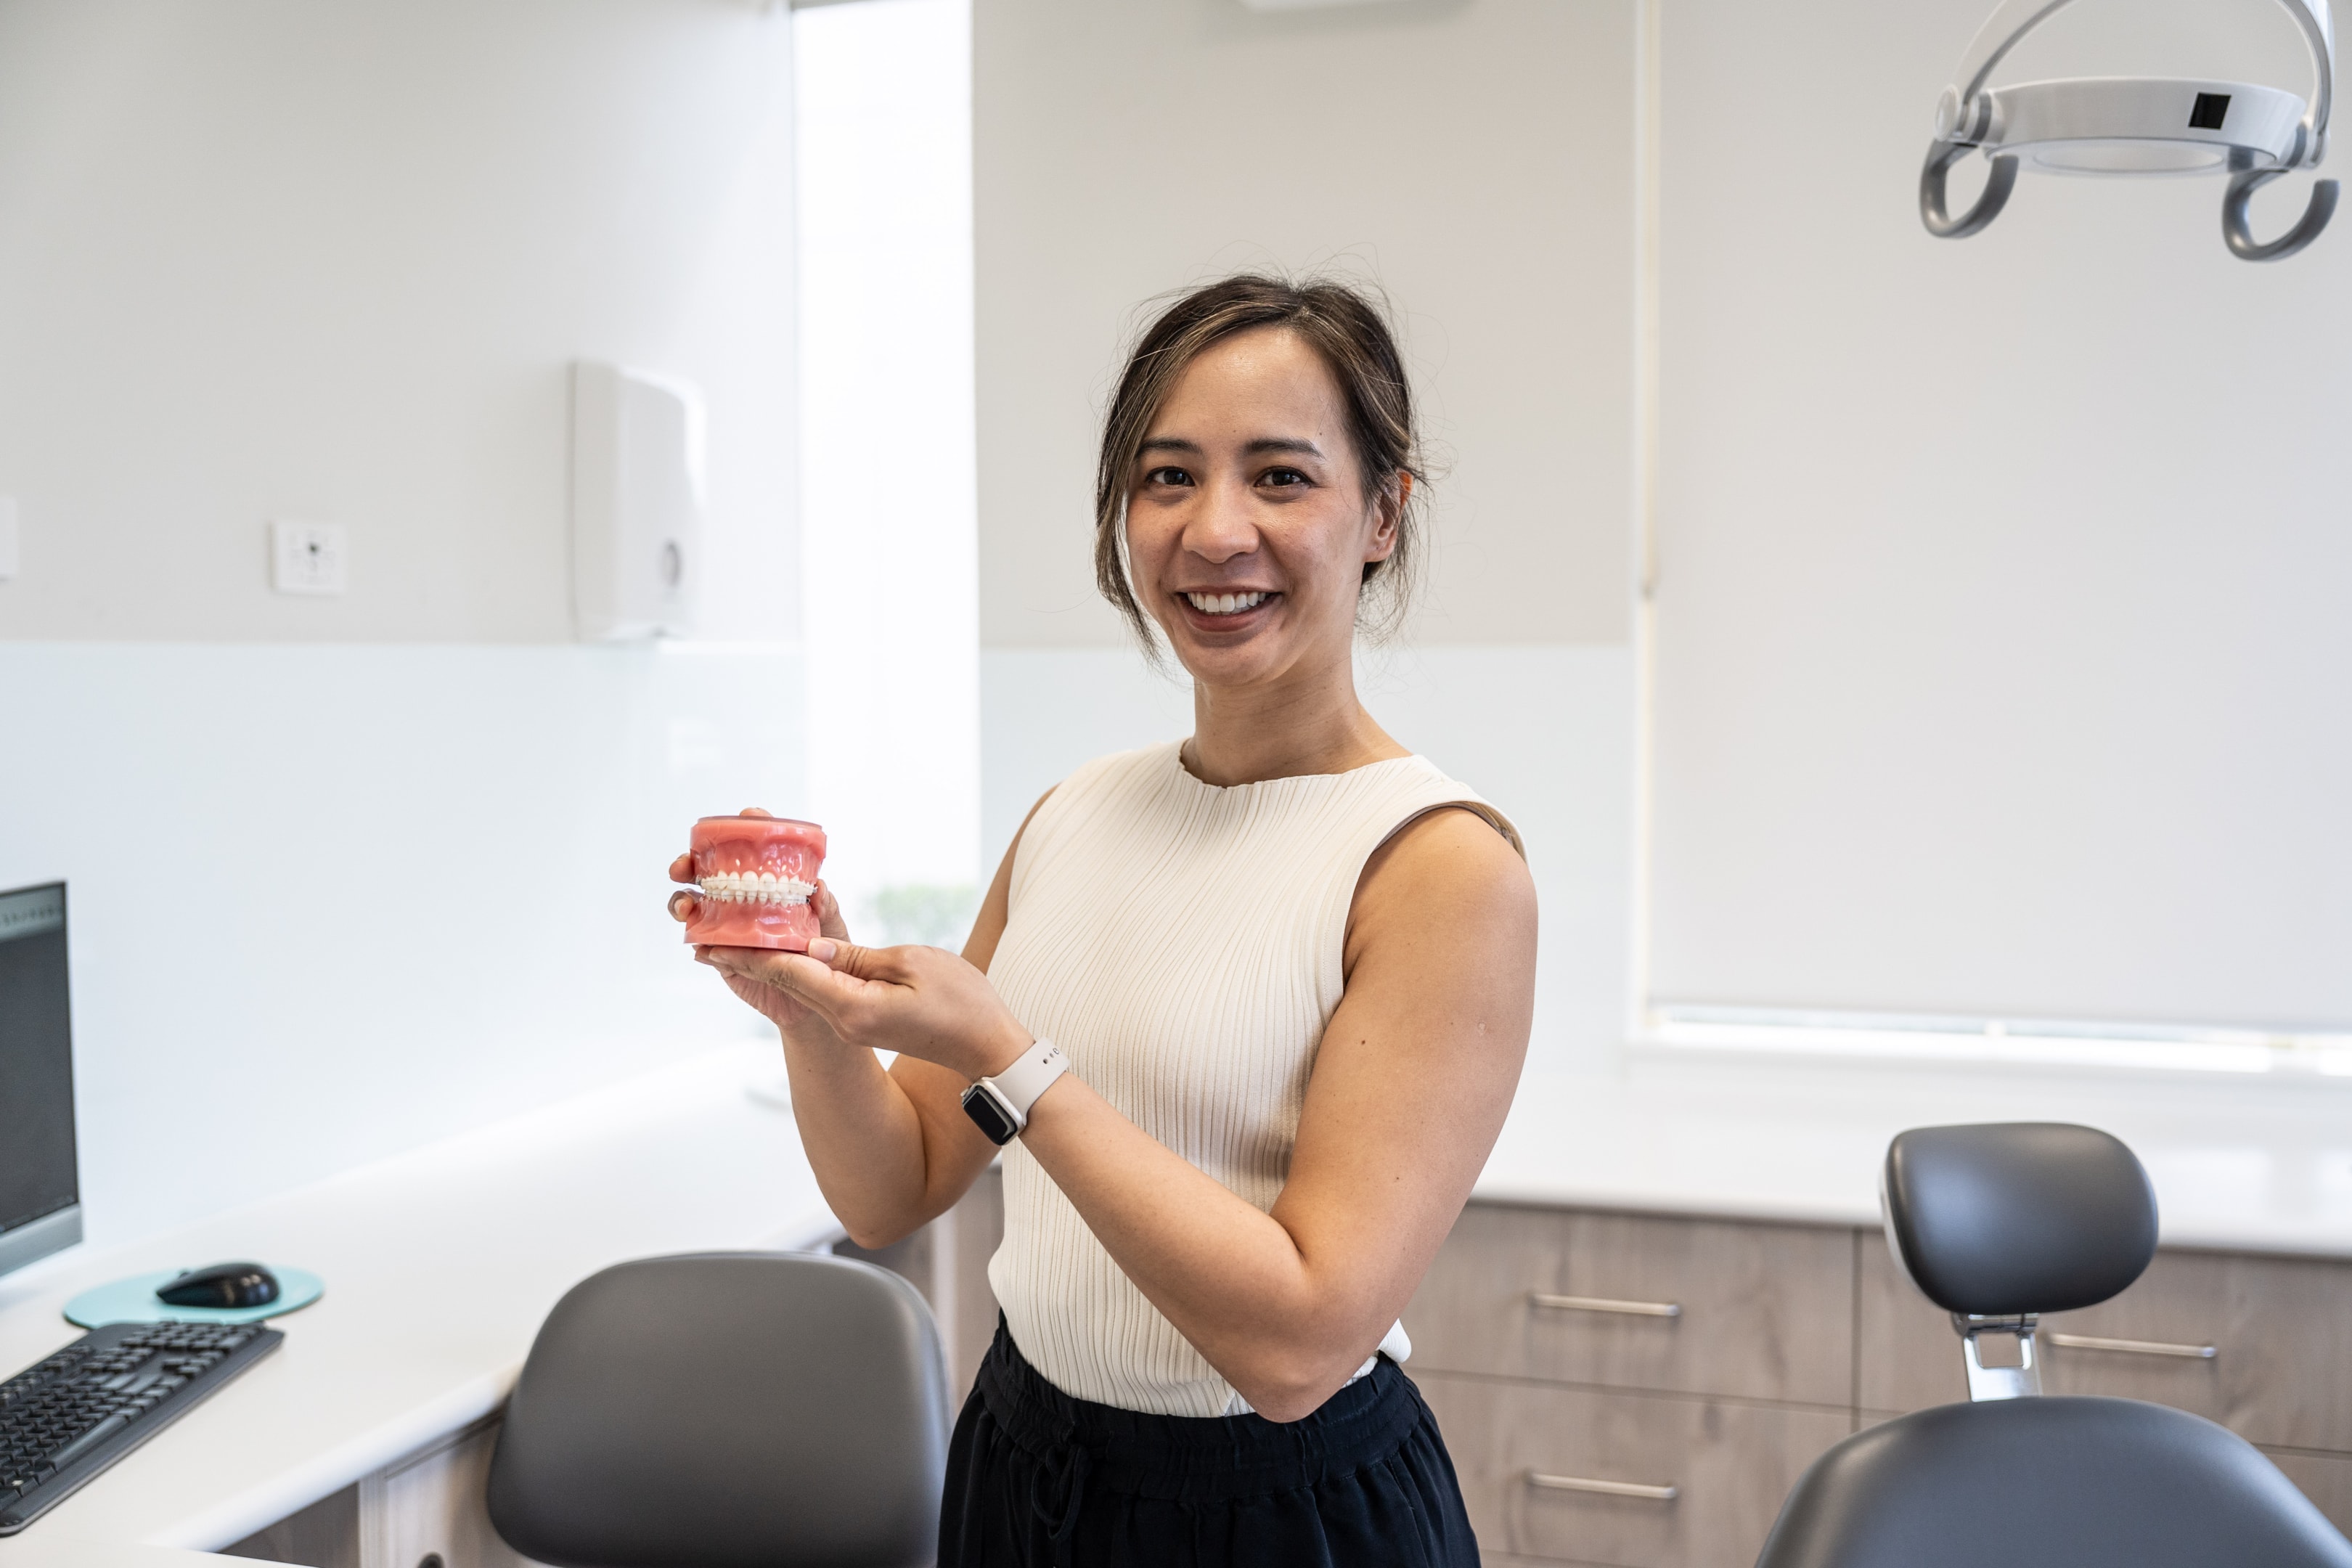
<point>1288,966</point>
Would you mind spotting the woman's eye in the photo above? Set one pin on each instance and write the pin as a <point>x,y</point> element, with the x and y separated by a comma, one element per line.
<point>1284,478</point>
<point>1168,477</point>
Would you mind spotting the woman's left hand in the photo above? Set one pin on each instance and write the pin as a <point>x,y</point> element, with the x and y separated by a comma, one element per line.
<point>922,1001</point>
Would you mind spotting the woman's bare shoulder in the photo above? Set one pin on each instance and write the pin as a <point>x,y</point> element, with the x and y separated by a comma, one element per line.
<point>1449,871</point>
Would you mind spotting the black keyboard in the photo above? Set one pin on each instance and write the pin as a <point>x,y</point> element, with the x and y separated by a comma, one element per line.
<point>66,1419</point>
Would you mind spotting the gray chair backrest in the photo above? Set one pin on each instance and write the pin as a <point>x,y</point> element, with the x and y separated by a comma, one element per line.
<point>2049,1483</point>
<point>727,1410</point>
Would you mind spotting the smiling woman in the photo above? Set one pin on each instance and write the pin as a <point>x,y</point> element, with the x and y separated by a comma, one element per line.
<point>1245,1011</point>
<point>1358,360</point>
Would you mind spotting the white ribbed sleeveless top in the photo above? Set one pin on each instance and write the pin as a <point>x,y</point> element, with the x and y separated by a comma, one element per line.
<point>1183,944</point>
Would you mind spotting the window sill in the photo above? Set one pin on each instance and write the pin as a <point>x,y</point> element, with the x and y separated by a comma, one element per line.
<point>1821,1038</point>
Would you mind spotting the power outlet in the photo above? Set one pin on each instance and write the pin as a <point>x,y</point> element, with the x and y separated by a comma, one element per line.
<point>307,557</point>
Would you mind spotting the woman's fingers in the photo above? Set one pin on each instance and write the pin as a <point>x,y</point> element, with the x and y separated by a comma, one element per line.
<point>828,913</point>
<point>754,811</point>
<point>842,1000</point>
<point>682,868</point>
<point>907,999</point>
<point>846,957</point>
<point>683,905</point>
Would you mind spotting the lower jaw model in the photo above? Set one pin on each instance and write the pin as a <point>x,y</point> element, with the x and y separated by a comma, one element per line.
<point>755,876</point>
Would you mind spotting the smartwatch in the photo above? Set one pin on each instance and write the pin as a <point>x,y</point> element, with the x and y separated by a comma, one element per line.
<point>1000,1106</point>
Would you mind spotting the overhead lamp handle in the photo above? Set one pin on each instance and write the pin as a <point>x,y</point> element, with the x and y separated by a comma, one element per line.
<point>2008,24</point>
<point>2236,230</point>
<point>1933,211</point>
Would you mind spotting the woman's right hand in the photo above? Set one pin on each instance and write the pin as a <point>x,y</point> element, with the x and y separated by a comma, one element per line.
<point>795,1018</point>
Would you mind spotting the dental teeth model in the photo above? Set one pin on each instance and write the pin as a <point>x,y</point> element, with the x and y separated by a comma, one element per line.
<point>755,888</point>
<point>754,876</point>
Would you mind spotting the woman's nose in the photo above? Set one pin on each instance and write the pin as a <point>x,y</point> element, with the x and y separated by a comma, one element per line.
<point>1221,527</point>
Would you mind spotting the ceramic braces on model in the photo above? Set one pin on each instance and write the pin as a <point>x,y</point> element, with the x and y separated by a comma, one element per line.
<point>755,888</point>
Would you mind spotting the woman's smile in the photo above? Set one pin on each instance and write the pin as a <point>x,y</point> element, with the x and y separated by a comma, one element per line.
<point>1212,611</point>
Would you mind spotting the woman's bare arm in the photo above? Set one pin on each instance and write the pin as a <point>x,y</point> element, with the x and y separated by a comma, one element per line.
<point>1410,1088</point>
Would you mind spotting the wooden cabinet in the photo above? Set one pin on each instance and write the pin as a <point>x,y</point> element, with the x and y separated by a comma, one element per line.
<point>1641,1480</point>
<point>1543,1341</point>
<point>1633,1390</point>
<point>1759,1311</point>
<point>425,1511</point>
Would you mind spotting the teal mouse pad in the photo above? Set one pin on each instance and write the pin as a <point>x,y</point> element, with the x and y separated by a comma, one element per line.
<point>132,1301</point>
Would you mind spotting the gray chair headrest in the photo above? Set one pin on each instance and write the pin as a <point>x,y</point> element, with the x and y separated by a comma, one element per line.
<point>727,1410</point>
<point>2007,1218</point>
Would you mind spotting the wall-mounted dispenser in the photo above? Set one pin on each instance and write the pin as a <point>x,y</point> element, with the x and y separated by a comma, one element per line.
<point>636,503</point>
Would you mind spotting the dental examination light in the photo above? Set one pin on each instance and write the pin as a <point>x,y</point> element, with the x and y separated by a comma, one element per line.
<point>2132,125</point>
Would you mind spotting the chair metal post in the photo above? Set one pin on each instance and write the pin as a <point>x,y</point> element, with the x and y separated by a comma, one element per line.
<point>2022,1380</point>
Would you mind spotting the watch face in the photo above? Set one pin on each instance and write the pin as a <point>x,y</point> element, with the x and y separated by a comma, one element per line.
<point>988,1115</point>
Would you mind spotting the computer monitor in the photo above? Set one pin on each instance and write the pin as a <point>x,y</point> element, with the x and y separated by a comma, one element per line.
<point>41,1190</point>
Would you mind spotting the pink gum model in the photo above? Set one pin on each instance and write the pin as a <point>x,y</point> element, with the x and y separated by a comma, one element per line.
<point>755,876</point>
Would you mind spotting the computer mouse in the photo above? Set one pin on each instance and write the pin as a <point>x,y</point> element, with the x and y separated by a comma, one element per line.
<point>221,1285</point>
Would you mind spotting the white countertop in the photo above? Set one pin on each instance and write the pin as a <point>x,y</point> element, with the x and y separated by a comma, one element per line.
<point>2259,1166</point>
<point>441,1263</point>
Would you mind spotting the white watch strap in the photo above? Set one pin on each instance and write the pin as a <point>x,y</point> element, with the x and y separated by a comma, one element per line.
<point>1018,1086</point>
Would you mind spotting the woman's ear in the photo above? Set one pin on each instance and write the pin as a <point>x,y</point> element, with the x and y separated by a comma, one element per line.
<point>1389,504</point>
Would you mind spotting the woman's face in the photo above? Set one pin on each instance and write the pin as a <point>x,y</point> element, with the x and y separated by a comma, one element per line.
<point>1248,524</point>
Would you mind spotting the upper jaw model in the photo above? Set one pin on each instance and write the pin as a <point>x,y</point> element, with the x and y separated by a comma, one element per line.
<point>754,876</point>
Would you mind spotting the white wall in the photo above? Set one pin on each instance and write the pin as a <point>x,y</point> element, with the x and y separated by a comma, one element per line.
<point>264,259</point>
<point>328,903</point>
<point>345,873</point>
<point>1473,159</point>
<point>1476,160</point>
<point>885,155</point>
<point>2001,630</point>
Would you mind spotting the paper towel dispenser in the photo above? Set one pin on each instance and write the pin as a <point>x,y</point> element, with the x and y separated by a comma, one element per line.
<point>636,503</point>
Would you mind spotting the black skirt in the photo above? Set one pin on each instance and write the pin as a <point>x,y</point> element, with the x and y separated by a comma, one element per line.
<point>1038,1479</point>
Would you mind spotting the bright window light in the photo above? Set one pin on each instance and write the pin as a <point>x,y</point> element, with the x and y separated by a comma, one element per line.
<point>888,512</point>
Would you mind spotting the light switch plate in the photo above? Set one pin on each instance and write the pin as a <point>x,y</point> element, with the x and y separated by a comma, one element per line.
<point>9,559</point>
<point>307,557</point>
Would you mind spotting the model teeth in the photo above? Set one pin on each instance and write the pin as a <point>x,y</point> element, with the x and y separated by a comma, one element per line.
<point>1225,604</point>
<point>754,887</point>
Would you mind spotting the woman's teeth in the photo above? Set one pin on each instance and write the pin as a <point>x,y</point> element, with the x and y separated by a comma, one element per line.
<point>1224,603</point>
<point>755,888</point>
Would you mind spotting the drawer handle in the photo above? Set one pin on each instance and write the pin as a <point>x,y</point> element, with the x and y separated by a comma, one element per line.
<point>2132,1347</point>
<point>1606,1488</point>
<point>1603,1304</point>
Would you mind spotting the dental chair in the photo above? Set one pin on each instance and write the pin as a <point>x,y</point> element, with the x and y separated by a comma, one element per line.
<point>1997,1224</point>
<point>727,1410</point>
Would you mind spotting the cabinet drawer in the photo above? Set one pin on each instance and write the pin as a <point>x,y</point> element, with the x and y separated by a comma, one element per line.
<point>2281,1331</point>
<point>1759,1312</point>
<point>1730,1466</point>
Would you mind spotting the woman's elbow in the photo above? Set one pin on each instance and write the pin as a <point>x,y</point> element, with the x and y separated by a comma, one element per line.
<point>874,1238</point>
<point>1291,1388</point>
<point>876,1226</point>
